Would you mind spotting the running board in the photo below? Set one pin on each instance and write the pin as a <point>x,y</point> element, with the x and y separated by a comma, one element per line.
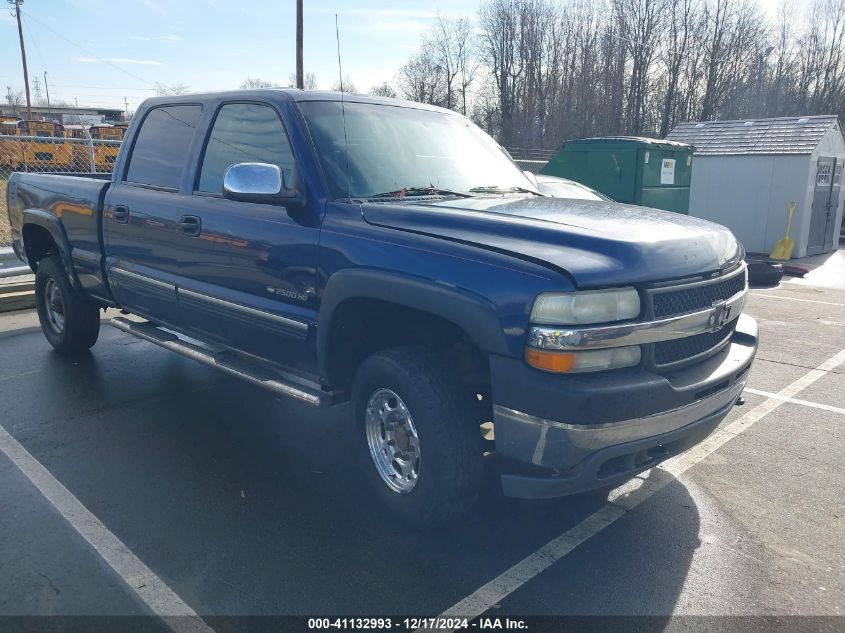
<point>242,367</point>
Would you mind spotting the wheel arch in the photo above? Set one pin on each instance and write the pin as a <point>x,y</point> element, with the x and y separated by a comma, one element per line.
<point>43,234</point>
<point>418,307</point>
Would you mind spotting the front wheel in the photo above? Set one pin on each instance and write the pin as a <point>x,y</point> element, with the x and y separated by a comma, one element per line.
<point>421,451</point>
<point>69,322</point>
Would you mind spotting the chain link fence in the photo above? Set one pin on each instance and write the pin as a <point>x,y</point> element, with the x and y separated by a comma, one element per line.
<point>529,159</point>
<point>50,155</point>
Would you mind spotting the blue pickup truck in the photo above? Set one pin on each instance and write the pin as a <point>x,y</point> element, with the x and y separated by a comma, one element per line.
<point>389,254</point>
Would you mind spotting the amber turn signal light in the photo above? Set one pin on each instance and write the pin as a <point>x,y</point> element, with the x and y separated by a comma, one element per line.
<point>550,361</point>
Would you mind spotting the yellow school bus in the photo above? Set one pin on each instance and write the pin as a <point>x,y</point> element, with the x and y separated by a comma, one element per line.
<point>39,146</point>
<point>9,147</point>
<point>105,154</point>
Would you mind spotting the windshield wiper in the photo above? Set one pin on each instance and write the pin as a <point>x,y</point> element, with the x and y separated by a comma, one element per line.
<point>497,189</point>
<point>431,190</point>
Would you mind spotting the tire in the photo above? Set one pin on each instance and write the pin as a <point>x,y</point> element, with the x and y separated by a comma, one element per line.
<point>449,468</point>
<point>70,323</point>
<point>764,273</point>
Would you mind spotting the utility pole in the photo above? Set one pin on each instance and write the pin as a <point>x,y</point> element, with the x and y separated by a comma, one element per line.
<point>47,90</point>
<point>125,109</point>
<point>300,76</point>
<point>18,4</point>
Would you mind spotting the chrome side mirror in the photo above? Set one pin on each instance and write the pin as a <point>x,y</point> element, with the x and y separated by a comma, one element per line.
<point>257,182</point>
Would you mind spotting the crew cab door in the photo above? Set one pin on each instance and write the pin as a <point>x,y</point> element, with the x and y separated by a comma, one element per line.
<point>249,269</point>
<point>141,226</point>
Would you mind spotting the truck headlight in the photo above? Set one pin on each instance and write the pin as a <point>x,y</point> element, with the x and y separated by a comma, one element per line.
<point>588,360</point>
<point>586,307</point>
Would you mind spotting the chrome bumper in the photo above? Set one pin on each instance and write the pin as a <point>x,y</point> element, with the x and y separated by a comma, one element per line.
<point>557,445</point>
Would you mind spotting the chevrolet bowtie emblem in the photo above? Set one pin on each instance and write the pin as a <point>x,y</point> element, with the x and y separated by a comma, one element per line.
<point>720,315</point>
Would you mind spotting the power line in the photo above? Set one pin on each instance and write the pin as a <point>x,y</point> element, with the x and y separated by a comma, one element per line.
<point>87,52</point>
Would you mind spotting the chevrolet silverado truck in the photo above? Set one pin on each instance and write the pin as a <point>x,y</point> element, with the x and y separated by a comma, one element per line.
<point>337,248</point>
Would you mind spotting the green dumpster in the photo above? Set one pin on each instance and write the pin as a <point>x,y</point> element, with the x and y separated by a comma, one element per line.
<point>644,171</point>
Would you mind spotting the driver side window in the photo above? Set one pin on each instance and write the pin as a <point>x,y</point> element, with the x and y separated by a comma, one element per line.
<point>244,133</point>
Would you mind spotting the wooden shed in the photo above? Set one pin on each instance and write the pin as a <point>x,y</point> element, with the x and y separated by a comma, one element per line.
<point>746,172</point>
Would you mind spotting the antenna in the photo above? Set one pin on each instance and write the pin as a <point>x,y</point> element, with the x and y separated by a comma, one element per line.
<point>343,111</point>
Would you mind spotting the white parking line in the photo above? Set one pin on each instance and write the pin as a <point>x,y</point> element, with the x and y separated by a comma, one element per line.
<point>827,303</point>
<point>806,403</point>
<point>151,589</point>
<point>625,499</point>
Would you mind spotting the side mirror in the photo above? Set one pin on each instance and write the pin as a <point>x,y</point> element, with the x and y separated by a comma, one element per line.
<point>257,182</point>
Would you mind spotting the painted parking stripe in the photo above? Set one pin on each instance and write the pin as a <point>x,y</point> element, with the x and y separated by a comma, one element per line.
<point>624,499</point>
<point>806,403</point>
<point>151,589</point>
<point>826,303</point>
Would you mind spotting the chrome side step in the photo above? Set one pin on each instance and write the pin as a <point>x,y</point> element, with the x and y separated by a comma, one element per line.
<point>245,368</point>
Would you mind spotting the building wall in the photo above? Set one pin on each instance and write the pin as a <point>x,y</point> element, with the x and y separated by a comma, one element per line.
<point>750,195</point>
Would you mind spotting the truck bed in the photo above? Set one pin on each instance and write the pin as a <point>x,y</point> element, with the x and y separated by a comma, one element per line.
<point>69,208</point>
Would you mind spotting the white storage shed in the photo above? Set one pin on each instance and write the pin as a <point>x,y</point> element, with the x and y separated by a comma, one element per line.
<point>745,173</point>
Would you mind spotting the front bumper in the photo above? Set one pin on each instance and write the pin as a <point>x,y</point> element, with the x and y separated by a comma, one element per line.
<point>576,433</point>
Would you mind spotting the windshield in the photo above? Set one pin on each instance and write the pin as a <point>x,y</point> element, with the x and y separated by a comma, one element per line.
<point>392,148</point>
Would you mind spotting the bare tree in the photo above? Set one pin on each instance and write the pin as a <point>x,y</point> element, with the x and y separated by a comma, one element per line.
<point>250,83</point>
<point>546,70</point>
<point>451,43</point>
<point>344,84</point>
<point>384,89</point>
<point>15,101</point>
<point>163,90</point>
<point>641,30</point>
<point>420,79</point>
<point>502,40</point>
<point>309,81</point>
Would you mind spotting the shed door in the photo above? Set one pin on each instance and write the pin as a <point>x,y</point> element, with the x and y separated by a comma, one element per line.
<point>825,202</point>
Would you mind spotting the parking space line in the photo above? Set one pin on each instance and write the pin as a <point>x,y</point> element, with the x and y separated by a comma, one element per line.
<point>827,303</point>
<point>625,499</point>
<point>151,589</point>
<point>806,403</point>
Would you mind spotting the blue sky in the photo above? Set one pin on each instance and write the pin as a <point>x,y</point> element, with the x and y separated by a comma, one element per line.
<point>120,48</point>
<point>100,51</point>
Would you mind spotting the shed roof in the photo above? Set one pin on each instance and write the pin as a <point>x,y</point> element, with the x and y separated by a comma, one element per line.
<point>786,135</point>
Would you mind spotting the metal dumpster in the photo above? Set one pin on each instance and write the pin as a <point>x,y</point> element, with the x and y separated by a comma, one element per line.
<point>645,171</point>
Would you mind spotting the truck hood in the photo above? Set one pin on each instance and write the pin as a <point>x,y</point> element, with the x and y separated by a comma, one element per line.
<point>598,243</point>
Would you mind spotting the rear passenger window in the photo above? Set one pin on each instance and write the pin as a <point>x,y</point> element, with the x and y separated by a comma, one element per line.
<point>161,148</point>
<point>244,133</point>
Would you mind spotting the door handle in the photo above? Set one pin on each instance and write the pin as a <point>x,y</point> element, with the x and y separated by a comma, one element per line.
<point>121,214</point>
<point>190,225</point>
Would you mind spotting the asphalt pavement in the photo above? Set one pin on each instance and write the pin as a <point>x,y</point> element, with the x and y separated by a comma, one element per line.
<point>238,503</point>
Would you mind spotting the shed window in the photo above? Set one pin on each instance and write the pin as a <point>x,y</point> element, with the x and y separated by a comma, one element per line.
<point>823,174</point>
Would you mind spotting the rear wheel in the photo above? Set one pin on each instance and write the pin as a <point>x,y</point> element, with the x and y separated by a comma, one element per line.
<point>69,322</point>
<point>420,449</point>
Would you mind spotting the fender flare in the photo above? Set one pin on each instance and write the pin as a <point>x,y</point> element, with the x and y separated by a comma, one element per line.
<point>49,222</point>
<point>470,312</point>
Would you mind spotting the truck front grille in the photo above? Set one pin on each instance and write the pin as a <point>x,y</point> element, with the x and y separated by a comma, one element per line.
<point>671,302</point>
<point>686,349</point>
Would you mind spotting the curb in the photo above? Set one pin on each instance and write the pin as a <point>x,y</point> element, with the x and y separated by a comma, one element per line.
<point>10,265</point>
<point>8,257</point>
<point>17,296</point>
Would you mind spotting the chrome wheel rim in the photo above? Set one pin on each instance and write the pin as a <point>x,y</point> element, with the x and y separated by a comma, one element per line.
<point>393,441</point>
<point>55,306</point>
